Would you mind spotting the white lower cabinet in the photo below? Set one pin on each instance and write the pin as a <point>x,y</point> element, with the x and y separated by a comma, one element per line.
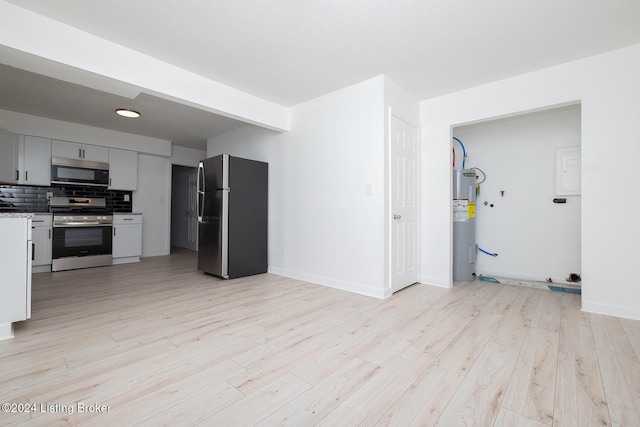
<point>41,235</point>
<point>15,263</point>
<point>127,238</point>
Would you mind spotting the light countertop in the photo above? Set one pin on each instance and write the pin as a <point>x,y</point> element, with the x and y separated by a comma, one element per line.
<point>16,215</point>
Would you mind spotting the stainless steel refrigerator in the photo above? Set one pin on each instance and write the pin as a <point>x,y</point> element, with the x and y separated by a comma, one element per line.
<point>232,216</point>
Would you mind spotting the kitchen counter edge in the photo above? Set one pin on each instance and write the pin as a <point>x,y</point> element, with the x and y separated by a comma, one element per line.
<point>15,215</point>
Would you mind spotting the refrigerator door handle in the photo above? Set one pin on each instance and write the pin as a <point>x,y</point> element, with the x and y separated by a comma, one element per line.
<point>200,202</point>
<point>200,191</point>
<point>200,179</point>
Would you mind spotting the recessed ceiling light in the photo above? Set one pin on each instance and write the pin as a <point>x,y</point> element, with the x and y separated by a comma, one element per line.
<point>124,112</point>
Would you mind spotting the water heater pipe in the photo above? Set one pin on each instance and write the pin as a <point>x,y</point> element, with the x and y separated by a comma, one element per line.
<point>464,152</point>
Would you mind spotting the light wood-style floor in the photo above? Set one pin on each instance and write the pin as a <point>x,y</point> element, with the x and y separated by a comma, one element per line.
<point>160,343</point>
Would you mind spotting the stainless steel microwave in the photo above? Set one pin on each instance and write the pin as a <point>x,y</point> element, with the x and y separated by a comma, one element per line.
<point>79,172</point>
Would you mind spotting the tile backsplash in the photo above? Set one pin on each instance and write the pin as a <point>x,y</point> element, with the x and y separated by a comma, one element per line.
<point>18,198</point>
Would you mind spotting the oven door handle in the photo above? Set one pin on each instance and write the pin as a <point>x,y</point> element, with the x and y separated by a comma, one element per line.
<point>82,224</point>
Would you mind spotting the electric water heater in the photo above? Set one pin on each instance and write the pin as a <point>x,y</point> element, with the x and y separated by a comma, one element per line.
<point>465,248</point>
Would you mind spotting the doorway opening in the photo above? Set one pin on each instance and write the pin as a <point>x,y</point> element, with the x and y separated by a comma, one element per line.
<point>527,229</point>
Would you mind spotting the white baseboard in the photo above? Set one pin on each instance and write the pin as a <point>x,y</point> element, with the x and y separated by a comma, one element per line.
<point>610,310</point>
<point>126,260</point>
<point>6,331</point>
<point>155,253</point>
<point>41,269</point>
<point>330,282</point>
<point>432,281</point>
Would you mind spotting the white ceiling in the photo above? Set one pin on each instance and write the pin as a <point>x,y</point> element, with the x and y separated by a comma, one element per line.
<point>290,51</point>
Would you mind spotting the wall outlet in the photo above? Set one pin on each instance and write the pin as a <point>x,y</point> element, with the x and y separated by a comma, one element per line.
<point>126,197</point>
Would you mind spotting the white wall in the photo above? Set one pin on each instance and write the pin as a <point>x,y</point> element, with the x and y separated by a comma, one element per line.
<point>535,238</point>
<point>323,228</point>
<point>608,88</point>
<point>186,156</point>
<point>152,200</point>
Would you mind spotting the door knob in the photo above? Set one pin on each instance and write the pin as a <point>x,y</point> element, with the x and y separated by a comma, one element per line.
<point>396,216</point>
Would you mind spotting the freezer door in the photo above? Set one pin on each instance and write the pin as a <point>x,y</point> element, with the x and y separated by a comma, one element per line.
<point>213,173</point>
<point>213,236</point>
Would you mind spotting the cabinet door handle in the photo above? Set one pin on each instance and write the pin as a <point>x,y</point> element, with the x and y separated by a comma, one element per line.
<point>83,153</point>
<point>17,174</point>
<point>114,231</point>
<point>33,251</point>
<point>49,234</point>
<point>127,219</point>
<point>79,153</point>
<point>26,175</point>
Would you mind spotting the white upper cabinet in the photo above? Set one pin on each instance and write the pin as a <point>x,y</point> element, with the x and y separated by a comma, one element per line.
<point>25,159</point>
<point>123,169</point>
<point>35,160</point>
<point>66,149</point>
<point>95,153</point>
<point>9,169</point>
<point>74,150</point>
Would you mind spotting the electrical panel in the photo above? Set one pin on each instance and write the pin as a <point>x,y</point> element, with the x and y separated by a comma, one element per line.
<point>568,171</point>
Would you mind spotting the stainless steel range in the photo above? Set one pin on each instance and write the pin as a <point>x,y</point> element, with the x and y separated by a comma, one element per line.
<point>82,233</point>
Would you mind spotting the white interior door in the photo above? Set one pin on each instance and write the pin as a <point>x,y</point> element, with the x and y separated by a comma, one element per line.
<point>405,161</point>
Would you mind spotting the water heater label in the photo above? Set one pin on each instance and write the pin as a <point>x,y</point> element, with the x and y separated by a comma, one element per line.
<point>461,210</point>
<point>472,210</point>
